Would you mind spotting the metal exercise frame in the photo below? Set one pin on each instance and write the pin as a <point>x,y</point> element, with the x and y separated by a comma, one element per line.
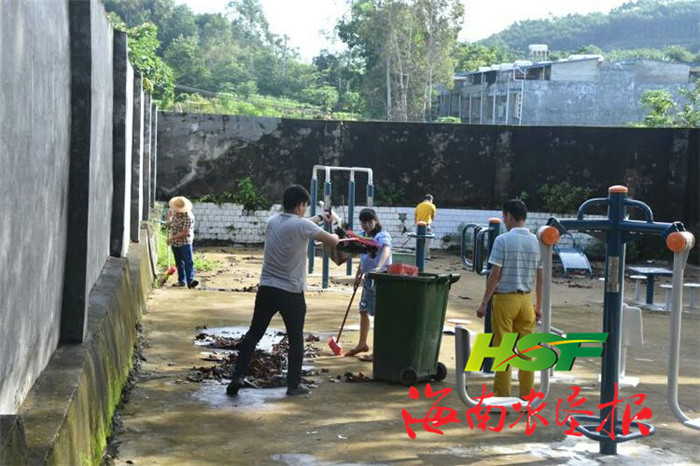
<point>619,230</point>
<point>548,237</point>
<point>327,188</point>
<point>483,238</point>
<point>421,235</point>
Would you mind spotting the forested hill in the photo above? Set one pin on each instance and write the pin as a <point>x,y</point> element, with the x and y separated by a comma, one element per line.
<point>635,25</point>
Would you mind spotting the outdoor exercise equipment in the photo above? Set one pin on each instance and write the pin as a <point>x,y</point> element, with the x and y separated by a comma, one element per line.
<point>680,243</point>
<point>327,188</point>
<point>482,241</point>
<point>573,258</point>
<point>421,234</point>
<point>619,230</point>
<point>547,236</point>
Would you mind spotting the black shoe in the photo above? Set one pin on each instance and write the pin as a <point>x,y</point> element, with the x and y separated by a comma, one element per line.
<point>193,284</point>
<point>298,390</point>
<point>236,384</point>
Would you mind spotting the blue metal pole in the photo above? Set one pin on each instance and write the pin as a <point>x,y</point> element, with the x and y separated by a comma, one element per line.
<point>351,216</point>
<point>312,244</point>
<point>614,261</point>
<point>421,230</point>
<point>326,259</point>
<point>370,195</point>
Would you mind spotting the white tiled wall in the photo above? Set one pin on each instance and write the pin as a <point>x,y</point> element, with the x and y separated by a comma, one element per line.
<point>228,222</point>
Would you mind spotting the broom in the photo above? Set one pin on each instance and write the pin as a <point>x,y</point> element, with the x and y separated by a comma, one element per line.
<point>333,342</point>
<point>170,270</point>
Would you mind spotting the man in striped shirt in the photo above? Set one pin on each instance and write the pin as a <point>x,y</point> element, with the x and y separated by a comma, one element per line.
<point>516,270</point>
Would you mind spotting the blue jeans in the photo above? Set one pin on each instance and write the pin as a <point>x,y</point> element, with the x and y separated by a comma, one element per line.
<point>184,263</point>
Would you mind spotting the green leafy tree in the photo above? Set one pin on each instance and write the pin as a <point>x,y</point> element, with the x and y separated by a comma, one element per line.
<point>470,56</point>
<point>325,96</point>
<point>188,64</point>
<point>563,198</point>
<point>406,47</point>
<point>664,111</point>
<point>143,43</point>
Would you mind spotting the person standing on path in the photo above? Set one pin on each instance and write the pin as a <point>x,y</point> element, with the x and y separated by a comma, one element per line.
<point>516,270</point>
<point>425,212</point>
<point>282,285</point>
<point>180,223</point>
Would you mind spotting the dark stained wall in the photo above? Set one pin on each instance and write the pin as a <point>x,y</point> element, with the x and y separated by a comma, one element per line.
<point>461,165</point>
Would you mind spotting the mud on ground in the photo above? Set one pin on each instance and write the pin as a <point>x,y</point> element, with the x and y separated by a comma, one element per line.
<point>170,420</point>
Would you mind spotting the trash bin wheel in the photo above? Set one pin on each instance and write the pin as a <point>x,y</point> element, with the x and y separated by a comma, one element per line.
<point>441,372</point>
<point>408,376</point>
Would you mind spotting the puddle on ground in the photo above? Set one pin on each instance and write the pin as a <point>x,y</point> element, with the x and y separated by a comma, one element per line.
<point>572,451</point>
<point>299,459</point>
<point>248,399</point>
<point>269,339</point>
<point>213,392</point>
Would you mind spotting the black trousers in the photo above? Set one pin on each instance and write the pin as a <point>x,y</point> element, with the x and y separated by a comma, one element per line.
<point>292,306</point>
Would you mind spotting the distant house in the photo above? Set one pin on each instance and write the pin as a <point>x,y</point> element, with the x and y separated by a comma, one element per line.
<point>582,90</point>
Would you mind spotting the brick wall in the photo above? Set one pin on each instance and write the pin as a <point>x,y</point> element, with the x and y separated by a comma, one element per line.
<point>229,222</point>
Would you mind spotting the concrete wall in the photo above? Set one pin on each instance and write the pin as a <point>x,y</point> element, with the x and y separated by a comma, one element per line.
<point>579,70</point>
<point>462,166</point>
<point>34,156</point>
<point>100,142</point>
<point>68,311</point>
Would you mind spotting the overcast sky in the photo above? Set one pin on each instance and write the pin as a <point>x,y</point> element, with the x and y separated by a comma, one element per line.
<point>309,23</point>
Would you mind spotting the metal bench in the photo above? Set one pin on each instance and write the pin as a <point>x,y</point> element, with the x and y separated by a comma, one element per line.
<point>638,288</point>
<point>573,257</point>
<point>669,288</point>
<point>693,294</point>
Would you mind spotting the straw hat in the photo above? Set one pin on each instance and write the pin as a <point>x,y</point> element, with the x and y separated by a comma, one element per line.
<point>180,204</point>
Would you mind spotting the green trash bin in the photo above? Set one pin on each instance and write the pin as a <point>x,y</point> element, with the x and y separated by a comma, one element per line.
<point>408,323</point>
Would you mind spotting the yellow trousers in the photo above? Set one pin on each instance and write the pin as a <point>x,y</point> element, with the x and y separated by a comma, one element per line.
<point>512,313</point>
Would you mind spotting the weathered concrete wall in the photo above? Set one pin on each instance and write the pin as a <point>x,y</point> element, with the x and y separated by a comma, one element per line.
<point>34,146</point>
<point>100,142</point>
<point>67,415</point>
<point>67,313</point>
<point>137,159</point>
<point>463,166</point>
<point>122,127</point>
<point>586,103</point>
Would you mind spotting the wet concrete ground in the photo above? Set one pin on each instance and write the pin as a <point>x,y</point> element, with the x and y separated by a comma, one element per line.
<point>169,420</point>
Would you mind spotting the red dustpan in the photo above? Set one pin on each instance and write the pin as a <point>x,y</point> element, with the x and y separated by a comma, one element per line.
<point>334,342</point>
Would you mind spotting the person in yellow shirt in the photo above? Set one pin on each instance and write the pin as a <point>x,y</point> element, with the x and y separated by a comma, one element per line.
<point>425,212</point>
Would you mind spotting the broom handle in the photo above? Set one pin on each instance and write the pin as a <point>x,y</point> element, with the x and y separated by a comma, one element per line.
<point>340,332</point>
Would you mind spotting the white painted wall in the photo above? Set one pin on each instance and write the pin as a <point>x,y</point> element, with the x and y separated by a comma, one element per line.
<point>228,222</point>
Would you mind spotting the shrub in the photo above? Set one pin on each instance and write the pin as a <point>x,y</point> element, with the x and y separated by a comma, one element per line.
<point>563,198</point>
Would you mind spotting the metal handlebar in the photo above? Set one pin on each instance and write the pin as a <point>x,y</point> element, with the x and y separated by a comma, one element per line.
<point>463,246</point>
<point>681,243</point>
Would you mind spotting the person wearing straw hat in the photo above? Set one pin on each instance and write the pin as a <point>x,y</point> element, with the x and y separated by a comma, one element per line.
<point>180,224</point>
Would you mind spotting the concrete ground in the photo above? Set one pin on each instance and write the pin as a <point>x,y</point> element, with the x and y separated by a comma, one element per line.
<point>168,420</point>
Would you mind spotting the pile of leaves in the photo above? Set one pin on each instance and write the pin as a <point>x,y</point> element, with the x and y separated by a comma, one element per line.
<point>267,368</point>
